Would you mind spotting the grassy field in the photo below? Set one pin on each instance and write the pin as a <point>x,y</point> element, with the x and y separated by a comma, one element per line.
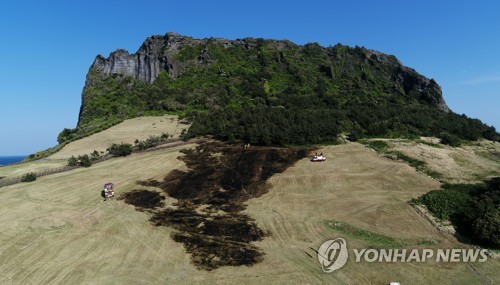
<point>470,162</point>
<point>127,132</point>
<point>17,170</point>
<point>58,230</point>
<point>356,187</point>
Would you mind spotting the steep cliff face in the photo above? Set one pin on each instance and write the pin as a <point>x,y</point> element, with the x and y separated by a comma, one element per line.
<point>158,53</point>
<point>429,90</point>
<point>356,88</point>
<point>153,56</point>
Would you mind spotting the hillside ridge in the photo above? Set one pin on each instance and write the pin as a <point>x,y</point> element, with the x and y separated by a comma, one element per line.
<point>339,88</point>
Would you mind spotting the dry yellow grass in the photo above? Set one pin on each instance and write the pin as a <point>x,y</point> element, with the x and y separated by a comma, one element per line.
<point>464,164</point>
<point>357,187</point>
<point>17,170</point>
<point>57,230</point>
<point>126,132</point>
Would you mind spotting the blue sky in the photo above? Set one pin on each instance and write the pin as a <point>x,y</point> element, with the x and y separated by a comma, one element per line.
<point>48,46</point>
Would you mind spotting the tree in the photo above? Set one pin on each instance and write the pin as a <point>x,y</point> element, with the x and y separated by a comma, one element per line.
<point>65,135</point>
<point>486,227</point>
<point>491,134</point>
<point>486,214</point>
<point>473,208</point>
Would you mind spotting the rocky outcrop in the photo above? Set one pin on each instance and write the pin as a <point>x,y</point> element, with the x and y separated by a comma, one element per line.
<point>153,56</point>
<point>119,62</point>
<point>157,53</point>
<point>427,88</point>
<point>411,80</point>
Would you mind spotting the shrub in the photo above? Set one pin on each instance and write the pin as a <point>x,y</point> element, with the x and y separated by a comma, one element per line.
<point>94,155</point>
<point>150,142</point>
<point>486,227</point>
<point>29,177</point>
<point>66,135</point>
<point>72,161</point>
<point>472,208</point>
<point>449,139</point>
<point>418,164</point>
<point>378,145</point>
<point>84,160</point>
<point>122,149</point>
<point>445,203</point>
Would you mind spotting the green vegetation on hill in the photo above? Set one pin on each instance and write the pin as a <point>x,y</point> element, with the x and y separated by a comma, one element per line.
<point>474,209</point>
<point>122,149</point>
<point>29,177</point>
<point>374,238</point>
<point>276,92</point>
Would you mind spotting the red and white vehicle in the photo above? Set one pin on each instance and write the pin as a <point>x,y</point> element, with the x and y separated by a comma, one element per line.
<point>107,191</point>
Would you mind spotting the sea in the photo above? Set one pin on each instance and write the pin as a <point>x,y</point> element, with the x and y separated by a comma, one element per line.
<point>6,160</point>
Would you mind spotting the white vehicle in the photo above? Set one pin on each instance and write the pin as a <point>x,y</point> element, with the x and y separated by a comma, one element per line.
<point>318,158</point>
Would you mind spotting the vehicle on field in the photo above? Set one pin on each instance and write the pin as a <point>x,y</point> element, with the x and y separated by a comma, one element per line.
<point>318,158</point>
<point>108,191</point>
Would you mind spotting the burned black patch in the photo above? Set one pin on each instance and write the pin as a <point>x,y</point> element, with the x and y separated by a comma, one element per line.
<point>211,196</point>
<point>143,199</point>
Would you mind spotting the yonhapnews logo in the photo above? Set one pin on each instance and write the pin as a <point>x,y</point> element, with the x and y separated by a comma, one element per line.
<point>333,255</point>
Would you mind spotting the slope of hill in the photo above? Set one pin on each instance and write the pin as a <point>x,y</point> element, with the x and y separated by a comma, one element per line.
<point>18,170</point>
<point>58,230</point>
<point>468,163</point>
<point>127,132</point>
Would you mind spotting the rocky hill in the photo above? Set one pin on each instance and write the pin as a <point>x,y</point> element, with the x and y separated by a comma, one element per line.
<point>161,53</point>
<point>339,88</point>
